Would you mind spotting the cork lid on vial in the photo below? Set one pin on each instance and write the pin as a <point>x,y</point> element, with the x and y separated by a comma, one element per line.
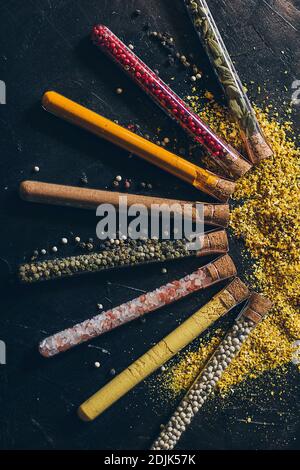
<point>216,214</point>
<point>223,189</point>
<point>213,242</point>
<point>222,268</point>
<point>257,307</point>
<point>235,293</point>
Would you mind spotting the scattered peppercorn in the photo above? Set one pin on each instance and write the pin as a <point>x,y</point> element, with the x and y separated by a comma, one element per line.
<point>136,13</point>
<point>84,179</point>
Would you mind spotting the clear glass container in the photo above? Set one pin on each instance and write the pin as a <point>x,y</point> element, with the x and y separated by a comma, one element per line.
<point>227,157</point>
<point>239,104</point>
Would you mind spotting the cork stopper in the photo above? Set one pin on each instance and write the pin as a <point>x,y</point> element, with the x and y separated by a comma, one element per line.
<point>257,307</point>
<point>214,242</point>
<point>238,290</point>
<point>235,165</point>
<point>234,293</point>
<point>217,214</point>
<point>222,268</point>
<point>257,147</point>
<point>224,189</point>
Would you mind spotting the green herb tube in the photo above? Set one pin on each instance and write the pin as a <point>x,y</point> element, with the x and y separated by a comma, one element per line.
<point>252,135</point>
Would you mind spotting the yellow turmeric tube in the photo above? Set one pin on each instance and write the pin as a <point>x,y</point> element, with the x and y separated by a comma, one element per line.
<point>219,305</point>
<point>201,179</point>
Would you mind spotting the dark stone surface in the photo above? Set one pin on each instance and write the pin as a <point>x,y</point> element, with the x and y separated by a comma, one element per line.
<point>44,45</point>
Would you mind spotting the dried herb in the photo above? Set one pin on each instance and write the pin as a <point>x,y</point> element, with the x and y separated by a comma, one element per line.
<point>238,102</point>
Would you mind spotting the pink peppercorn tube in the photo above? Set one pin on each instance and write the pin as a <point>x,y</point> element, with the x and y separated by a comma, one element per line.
<point>212,273</point>
<point>223,154</point>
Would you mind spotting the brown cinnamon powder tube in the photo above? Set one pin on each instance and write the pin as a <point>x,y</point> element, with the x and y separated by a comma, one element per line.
<point>85,198</point>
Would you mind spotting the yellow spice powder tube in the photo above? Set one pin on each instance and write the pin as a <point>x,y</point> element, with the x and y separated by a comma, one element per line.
<point>218,306</point>
<point>204,180</point>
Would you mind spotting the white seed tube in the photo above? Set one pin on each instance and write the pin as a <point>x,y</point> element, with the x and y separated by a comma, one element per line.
<point>205,384</point>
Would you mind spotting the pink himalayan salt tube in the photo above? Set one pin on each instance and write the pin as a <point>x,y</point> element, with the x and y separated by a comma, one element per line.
<point>222,268</point>
<point>226,157</point>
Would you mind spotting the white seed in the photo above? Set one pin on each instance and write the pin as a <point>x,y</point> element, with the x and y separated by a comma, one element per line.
<point>118,178</point>
<point>64,241</point>
<point>36,169</point>
<point>77,239</point>
<point>97,364</point>
<point>54,249</point>
<point>43,251</point>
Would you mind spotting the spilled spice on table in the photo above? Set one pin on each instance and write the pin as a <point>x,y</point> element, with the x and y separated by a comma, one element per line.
<point>266,216</point>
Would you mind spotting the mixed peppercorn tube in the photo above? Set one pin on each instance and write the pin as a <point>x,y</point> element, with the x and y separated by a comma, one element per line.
<point>163,351</point>
<point>257,307</point>
<point>212,273</point>
<point>121,253</point>
<point>252,135</point>
<point>228,158</point>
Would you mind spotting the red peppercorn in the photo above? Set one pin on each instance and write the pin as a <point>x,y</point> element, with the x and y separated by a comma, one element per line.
<point>162,94</point>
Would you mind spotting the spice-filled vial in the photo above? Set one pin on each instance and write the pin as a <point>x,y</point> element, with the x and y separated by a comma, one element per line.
<point>225,156</point>
<point>239,104</point>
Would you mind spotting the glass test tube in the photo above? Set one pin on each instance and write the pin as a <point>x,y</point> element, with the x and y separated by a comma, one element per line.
<point>239,104</point>
<point>225,156</point>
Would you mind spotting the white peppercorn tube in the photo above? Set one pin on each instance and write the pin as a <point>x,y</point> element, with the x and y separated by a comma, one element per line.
<point>257,307</point>
<point>212,273</point>
<point>252,135</point>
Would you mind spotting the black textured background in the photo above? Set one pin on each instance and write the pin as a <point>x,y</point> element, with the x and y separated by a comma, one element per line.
<point>44,45</point>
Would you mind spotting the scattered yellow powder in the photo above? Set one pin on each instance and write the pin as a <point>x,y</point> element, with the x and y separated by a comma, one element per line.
<point>209,95</point>
<point>181,376</point>
<point>267,216</point>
